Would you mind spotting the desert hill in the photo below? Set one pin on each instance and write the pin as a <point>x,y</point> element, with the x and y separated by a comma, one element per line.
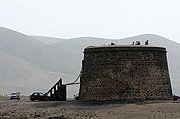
<point>25,61</point>
<point>30,63</point>
<point>47,40</point>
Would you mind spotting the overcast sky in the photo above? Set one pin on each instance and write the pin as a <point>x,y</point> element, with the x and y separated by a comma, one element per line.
<point>114,19</point>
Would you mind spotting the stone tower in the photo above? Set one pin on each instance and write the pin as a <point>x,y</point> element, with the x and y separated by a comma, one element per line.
<point>119,72</point>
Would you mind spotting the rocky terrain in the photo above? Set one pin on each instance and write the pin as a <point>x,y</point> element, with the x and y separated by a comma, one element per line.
<point>72,109</point>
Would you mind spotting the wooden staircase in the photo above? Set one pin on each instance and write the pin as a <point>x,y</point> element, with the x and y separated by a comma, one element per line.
<point>57,92</point>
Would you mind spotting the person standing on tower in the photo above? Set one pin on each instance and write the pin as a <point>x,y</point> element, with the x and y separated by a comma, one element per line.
<point>146,42</point>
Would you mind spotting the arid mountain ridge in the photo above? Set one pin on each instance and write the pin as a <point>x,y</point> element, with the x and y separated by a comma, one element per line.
<point>35,63</point>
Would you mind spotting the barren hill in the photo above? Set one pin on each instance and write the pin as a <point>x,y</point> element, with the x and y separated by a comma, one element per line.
<point>30,63</point>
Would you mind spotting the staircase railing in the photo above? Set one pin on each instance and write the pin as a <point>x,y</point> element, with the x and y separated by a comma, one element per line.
<point>57,92</point>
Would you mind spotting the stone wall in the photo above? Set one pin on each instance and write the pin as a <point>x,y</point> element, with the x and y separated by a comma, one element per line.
<point>125,73</point>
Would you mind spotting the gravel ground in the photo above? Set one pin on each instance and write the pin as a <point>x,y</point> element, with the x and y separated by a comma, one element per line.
<point>25,109</point>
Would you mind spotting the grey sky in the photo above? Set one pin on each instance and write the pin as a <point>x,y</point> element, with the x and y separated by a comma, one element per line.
<point>97,18</point>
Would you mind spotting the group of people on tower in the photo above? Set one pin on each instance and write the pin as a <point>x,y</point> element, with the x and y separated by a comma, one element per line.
<point>139,43</point>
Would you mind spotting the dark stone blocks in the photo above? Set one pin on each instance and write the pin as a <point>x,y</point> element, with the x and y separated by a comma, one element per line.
<point>125,73</point>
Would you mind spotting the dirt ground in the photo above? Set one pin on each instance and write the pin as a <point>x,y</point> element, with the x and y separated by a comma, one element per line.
<point>72,109</point>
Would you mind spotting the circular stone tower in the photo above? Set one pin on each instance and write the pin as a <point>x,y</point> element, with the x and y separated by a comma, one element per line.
<point>118,72</point>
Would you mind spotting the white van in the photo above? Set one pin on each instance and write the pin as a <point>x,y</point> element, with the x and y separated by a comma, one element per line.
<point>15,95</point>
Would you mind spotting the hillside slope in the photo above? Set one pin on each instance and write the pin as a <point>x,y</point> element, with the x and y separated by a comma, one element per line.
<point>30,63</point>
<point>48,40</point>
<point>27,63</point>
<point>30,49</point>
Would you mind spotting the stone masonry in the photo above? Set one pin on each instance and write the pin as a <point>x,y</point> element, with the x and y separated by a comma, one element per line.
<point>118,72</point>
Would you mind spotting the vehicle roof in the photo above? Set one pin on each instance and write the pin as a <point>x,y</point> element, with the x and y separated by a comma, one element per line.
<point>15,93</point>
<point>38,92</point>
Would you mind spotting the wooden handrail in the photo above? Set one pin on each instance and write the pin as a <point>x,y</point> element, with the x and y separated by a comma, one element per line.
<point>72,83</point>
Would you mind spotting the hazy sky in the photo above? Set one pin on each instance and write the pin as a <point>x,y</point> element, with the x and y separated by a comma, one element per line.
<point>97,18</point>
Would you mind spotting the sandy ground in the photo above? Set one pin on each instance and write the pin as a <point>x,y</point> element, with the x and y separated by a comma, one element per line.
<point>25,109</point>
